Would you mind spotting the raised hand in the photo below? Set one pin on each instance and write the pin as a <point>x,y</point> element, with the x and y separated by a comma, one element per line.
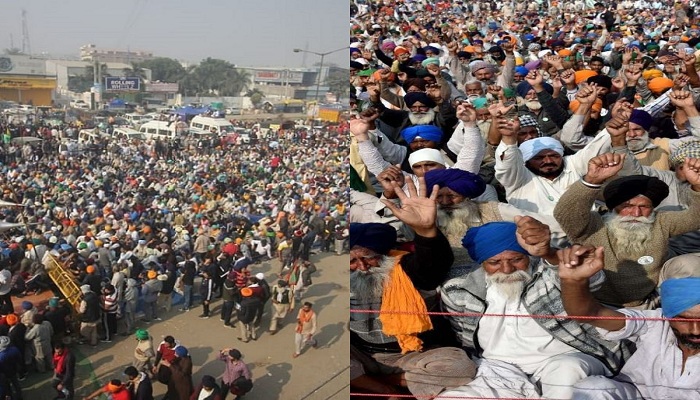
<point>691,169</point>
<point>587,94</point>
<point>603,167</point>
<point>533,235</point>
<point>580,263</point>
<point>554,61</point>
<point>417,211</point>
<point>680,81</point>
<point>568,77</point>
<point>392,174</point>
<point>627,55</point>
<point>433,69</point>
<point>384,75</point>
<point>535,79</point>
<point>359,128</point>
<point>633,73</point>
<point>499,109</point>
<point>466,113</point>
<point>494,90</point>
<point>681,99</point>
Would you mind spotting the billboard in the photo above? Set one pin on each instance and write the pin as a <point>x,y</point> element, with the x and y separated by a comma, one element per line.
<point>116,84</point>
<point>160,87</point>
<point>280,77</point>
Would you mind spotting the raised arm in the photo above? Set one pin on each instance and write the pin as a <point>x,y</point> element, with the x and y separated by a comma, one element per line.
<point>472,152</point>
<point>577,264</point>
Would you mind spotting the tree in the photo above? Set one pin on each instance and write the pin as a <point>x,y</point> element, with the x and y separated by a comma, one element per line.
<point>337,81</point>
<point>84,82</point>
<point>164,69</point>
<point>217,77</point>
<point>136,70</point>
<point>256,96</point>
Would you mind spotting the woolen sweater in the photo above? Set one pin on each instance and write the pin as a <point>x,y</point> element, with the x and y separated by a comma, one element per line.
<point>629,279</point>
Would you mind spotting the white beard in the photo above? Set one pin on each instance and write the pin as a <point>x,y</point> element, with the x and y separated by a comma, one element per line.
<point>508,286</point>
<point>484,127</point>
<point>456,221</point>
<point>425,118</point>
<point>638,143</point>
<point>533,105</point>
<point>368,286</point>
<point>630,234</point>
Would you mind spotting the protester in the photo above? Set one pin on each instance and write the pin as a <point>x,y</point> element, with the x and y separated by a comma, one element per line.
<point>660,343</point>
<point>237,378</point>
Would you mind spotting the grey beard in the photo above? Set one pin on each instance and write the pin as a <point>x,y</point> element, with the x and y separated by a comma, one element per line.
<point>630,234</point>
<point>425,118</point>
<point>509,286</point>
<point>368,286</point>
<point>638,144</point>
<point>455,222</point>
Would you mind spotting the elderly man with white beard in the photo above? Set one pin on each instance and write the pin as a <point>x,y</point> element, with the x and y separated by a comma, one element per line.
<point>391,350</point>
<point>535,98</point>
<point>633,235</point>
<point>520,356</point>
<point>459,210</point>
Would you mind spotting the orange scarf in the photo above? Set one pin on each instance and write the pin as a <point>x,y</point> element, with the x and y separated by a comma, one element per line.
<point>400,295</point>
<point>304,317</point>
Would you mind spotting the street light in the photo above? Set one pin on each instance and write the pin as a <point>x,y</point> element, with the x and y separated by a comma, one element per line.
<point>320,69</point>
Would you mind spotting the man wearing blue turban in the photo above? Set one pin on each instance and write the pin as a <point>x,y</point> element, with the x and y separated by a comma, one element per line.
<point>521,356</point>
<point>665,364</point>
<point>406,345</point>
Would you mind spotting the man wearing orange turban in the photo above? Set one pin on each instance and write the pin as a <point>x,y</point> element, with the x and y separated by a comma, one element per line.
<point>659,85</point>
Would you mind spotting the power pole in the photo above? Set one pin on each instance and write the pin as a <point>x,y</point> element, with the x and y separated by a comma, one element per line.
<point>26,47</point>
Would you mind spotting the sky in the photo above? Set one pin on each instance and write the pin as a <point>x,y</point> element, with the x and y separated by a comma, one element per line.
<point>253,33</point>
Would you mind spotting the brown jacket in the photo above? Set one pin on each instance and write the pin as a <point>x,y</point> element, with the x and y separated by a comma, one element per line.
<point>627,282</point>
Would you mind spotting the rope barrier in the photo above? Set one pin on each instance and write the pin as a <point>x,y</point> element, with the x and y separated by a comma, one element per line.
<point>539,316</point>
<point>411,396</point>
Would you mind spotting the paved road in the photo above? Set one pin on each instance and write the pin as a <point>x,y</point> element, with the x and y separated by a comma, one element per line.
<point>321,373</point>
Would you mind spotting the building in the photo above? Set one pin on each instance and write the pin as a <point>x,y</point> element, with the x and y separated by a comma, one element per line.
<point>294,83</point>
<point>64,69</point>
<point>90,52</point>
<point>25,80</point>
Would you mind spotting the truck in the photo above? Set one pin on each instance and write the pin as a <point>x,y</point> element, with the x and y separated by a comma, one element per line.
<point>236,105</point>
<point>329,113</point>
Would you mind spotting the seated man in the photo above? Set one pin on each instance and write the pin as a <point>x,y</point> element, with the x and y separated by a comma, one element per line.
<point>391,350</point>
<point>665,363</point>
<point>519,354</point>
<point>634,235</point>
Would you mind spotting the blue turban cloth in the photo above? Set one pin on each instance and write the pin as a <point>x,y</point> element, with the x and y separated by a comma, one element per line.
<point>427,132</point>
<point>379,238</point>
<point>641,118</point>
<point>520,70</point>
<point>488,240</point>
<point>419,58</point>
<point>432,49</point>
<point>463,182</point>
<point>524,87</point>
<point>678,295</point>
<point>414,97</point>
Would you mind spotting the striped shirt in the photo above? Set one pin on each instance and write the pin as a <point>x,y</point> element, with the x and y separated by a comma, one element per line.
<point>109,303</point>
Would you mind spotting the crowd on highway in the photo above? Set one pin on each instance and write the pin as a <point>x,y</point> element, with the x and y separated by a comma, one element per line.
<point>529,171</point>
<point>143,226</point>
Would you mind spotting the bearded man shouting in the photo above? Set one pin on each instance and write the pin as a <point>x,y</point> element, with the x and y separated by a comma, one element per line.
<point>390,350</point>
<point>634,235</point>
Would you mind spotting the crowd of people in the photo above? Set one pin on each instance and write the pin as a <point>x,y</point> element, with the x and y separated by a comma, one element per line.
<point>139,226</point>
<point>529,171</point>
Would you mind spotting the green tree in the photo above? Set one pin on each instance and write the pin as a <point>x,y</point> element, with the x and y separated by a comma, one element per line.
<point>84,82</point>
<point>217,77</point>
<point>337,81</point>
<point>164,69</point>
<point>256,96</point>
<point>136,70</point>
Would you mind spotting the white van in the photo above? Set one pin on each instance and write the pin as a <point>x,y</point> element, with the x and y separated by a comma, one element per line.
<point>137,119</point>
<point>159,130</point>
<point>201,124</point>
<point>128,133</point>
<point>89,136</point>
